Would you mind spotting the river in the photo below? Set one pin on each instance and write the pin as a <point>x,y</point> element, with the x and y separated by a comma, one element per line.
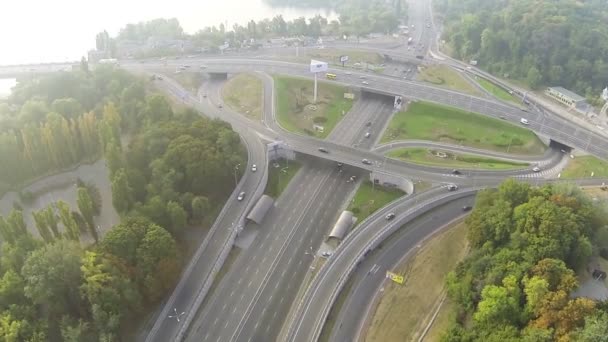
<point>30,35</point>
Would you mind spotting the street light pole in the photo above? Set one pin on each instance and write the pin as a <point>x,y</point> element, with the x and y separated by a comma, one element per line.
<point>236,183</point>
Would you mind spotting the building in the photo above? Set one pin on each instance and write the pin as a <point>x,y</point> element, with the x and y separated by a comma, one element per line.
<point>569,99</point>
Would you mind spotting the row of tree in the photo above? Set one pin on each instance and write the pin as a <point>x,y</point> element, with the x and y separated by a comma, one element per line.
<point>517,281</point>
<point>356,18</point>
<point>559,43</point>
<point>57,291</point>
<point>56,121</point>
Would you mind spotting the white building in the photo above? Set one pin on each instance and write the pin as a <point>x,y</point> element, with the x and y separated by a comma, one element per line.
<point>569,99</point>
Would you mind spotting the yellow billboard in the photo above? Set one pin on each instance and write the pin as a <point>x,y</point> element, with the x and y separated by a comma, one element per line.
<point>395,277</point>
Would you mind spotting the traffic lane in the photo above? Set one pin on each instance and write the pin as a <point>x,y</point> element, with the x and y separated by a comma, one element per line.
<point>242,278</point>
<point>276,299</point>
<point>278,252</point>
<point>371,274</point>
<point>188,288</point>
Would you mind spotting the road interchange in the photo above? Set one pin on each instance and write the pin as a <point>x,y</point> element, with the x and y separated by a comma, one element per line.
<point>577,137</point>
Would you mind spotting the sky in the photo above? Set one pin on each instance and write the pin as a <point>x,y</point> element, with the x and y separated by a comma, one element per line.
<point>34,31</point>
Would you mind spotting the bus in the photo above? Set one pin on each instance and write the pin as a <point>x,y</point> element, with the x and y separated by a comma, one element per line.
<point>331,76</point>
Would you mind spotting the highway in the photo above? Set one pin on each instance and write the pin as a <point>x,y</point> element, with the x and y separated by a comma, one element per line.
<point>369,276</point>
<point>258,284</point>
<point>555,127</point>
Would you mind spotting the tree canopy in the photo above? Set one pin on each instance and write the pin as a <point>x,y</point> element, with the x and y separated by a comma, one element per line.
<point>516,282</point>
<point>557,43</point>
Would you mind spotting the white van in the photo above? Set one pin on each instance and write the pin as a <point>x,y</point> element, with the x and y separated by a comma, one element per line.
<point>524,121</point>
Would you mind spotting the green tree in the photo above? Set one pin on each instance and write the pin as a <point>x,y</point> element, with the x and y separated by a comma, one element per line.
<point>85,205</point>
<point>594,330</point>
<point>178,216</point>
<point>51,220</point>
<point>52,276</point>
<point>200,207</point>
<point>42,225</point>
<point>121,191</point>
<point>72,230</point>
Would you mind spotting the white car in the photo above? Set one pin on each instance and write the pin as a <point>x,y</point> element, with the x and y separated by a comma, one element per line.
<point>365,83</point>
<point>452,187</point>
<point>254,168</point>
<point>536,169</point>
<point>368,134</point>
<point>524,121</point>
<point>241,196</point>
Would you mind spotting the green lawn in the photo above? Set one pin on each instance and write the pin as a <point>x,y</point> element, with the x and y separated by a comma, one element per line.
<point>496,90</point>
<point>279,177</point>
<point>368,199</point>
<point>296,112</point>
<point>442,75</point>
<point>582,167</point>
<point>450,159</point>
<point>428,121</point>
<point>243,93</point>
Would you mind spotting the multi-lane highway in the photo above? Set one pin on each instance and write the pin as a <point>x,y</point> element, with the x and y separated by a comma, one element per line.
<point>252,301</point>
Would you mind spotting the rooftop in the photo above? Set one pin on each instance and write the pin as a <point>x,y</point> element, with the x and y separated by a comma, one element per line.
<point>574,96</point>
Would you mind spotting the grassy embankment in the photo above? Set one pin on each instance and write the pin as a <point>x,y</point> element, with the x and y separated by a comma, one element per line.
<point>243,93</point>
<point>368,199</point>
<point>448,159</point>
<point>444,76</point>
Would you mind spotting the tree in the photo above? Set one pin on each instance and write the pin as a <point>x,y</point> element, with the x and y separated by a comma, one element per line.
<point>595,329</point>
<point>121,191</point>
<point>69,223</point>
<point>42,225</point>
<point>114,158</point>
<point>16,223</point>
<point>85,205</point>
<point>178,216</point>
<point>200,207</point>
<point>52,276</point>
<point>156,251</point>
<point>51,220</point>
<point>111,294</point>
<point>534,77</point>
<point>499,304</point>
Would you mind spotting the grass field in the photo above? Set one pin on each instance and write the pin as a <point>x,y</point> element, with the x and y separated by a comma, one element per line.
<point>495,90</point>
<point>243,93</point>
<point>444,76</point>
<point>368,200</point>
<point>296,112</point>
<point>404,310</point>
<point>469,161</point>
<point>279,177</point>
<point>582,167</point>
<point>447,314</point>
<point>428,121</point>
<point>332,56</point>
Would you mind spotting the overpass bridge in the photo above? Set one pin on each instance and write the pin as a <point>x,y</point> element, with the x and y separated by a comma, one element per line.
<point>14,71</point>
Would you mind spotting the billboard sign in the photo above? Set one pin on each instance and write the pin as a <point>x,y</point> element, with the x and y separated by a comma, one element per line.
<point>343,59</point>
<point>395,277</point>
<point>317,66</point>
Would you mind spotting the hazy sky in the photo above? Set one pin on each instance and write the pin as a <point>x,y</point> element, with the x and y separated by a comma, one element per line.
<point>60,30</point>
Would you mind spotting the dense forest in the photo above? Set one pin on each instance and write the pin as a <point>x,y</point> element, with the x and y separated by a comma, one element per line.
<point>54,122</point>
<point>516,283</point>
<point>555,43</point>
<point>174,174</point>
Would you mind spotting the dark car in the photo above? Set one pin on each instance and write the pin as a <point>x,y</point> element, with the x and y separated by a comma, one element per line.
<point>366,162</point>
<point>323,149</point>
<point>467,208</point>
<point>455,172</point>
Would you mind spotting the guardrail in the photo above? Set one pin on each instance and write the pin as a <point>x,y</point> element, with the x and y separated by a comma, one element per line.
<point>219,262</point>
<point>379,237</point>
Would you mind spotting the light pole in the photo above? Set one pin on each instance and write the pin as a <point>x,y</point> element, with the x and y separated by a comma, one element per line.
<point>176,315</point>
<point>236,168</point>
